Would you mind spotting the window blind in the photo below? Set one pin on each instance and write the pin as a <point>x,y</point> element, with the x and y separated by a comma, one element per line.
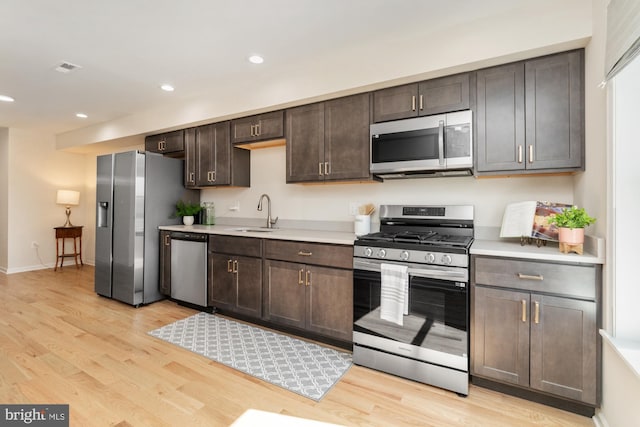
<point>623,35</point>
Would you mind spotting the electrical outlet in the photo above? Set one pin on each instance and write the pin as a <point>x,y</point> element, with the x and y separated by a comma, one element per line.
<point>353,208</point>
<point>35,244</point>
<point>235,207</point>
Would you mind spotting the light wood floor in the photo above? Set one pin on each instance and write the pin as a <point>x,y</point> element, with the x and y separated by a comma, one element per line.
<point>61,343</point>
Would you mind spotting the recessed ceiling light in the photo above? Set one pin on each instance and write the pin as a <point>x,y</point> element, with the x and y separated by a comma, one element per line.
<point>256,59</point>
<point>6,98</point>
<point>81,115</point>
<point>167,88</point>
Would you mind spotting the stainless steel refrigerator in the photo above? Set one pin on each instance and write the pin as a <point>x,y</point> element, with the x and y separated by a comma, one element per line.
<point>135,193</point>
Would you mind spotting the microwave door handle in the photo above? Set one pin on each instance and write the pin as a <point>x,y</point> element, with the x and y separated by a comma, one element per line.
<point>441,142</point>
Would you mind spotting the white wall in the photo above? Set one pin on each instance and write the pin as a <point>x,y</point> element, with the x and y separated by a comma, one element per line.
<point>4,191</point>
<point>330,202</point>
<point>36,170</point>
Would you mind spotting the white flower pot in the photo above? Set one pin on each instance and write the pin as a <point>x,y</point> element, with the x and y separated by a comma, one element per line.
<point>187,220</point>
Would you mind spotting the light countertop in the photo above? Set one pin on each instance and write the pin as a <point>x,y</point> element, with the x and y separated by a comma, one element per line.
<point>511,248</point>
<point>303,235</point>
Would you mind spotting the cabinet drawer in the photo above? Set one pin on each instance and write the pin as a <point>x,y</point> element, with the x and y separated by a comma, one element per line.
<point>309,253</point>
<point>562,279</point>
<point>247,246</point>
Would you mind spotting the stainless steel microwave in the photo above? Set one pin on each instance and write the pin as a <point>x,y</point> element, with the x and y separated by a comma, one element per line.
<point>439,145</point>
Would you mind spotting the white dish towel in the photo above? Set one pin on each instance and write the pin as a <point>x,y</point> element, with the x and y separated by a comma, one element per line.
<point>394,292</point>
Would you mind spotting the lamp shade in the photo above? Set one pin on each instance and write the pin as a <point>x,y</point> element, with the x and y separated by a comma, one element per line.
<point>68,197</point>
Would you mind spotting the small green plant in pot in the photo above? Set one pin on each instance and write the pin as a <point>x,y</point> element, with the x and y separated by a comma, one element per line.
<point>187,210</point>
<point>571,223</point>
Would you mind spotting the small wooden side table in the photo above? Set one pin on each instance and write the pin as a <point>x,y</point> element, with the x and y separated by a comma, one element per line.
<point>74,232</point>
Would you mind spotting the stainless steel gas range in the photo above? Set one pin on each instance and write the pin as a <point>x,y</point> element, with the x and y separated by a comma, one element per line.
<point>411,299</point>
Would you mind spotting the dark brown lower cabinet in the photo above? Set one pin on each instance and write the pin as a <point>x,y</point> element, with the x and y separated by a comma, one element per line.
<point>165,262</point>
<point>313,298</point>
<point>235,281</point>
<point>546,343</point>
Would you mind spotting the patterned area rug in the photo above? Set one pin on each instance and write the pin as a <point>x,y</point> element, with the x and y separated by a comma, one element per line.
<point>299,366</point>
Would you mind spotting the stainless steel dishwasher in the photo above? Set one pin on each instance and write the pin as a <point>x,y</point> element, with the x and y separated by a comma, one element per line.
<point>189,268</point>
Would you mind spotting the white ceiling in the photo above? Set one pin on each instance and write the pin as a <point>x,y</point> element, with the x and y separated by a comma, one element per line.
<point>127,48</point>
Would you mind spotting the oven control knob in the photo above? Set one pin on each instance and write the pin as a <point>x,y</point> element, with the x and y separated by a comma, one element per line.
<point>404,255</point>
<point>368,251</point>
<point>382,253</point>
<point>430,258</point>
<point>446,259</point>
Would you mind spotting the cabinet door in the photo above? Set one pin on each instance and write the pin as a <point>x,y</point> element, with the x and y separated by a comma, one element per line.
<point>222,283</point>
<point>213,147</point>
<point>170,142</point>
<point>443,95</point>
<point>563,347</point>
<point>330,301</point>
<point>346,138</point>
<point>243,130</point>
<point>284,291</point>
<point>500,332</point>
<point>248,276</point>
<point>395,103</point>
<point>555,111</point>
<point>190,160</point>
<point>165,262</point>
<point>500,119</point>
<point>271,125</point>
<point>258,128</point>
<point>305,143</point>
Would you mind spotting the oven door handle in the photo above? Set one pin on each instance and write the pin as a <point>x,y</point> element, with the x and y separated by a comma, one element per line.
<point>439,274</point>
<point>448,274</point>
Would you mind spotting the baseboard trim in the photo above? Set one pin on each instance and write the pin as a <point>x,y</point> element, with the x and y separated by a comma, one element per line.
<point>556,402</point>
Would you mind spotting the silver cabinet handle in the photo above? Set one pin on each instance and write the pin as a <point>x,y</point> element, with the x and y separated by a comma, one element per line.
<point>421,102</point>
<point>300,282</point>
<point>536,315</point>
<point>235,266</point>
<point>167,240</point>
<point>524,310</point>
<point>305,253</point>
<point>308,278</point>
<point>320,169</point>
<point>229,269</point>
<point>530,277</point>
<point>258,129</point>
<point>530,153</point>
<point>413,103</point>
<point>327,168</point>
<point>192,177</point>
<point>519,153</point>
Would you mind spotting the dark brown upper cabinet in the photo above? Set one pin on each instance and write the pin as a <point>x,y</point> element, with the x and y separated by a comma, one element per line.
<point>190,161</point>
<point>529,116</point>
<point>329,141</point>
<point>216,161</point>
<point>262,127</point>
<point>434,96</point>
<point>165,143</point>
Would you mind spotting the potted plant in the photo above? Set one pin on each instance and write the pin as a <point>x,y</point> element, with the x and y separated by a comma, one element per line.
<point>571,223</point>
<point>187,210</point>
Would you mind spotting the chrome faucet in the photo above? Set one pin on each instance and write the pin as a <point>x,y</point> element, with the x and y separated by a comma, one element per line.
<point>270,222</point>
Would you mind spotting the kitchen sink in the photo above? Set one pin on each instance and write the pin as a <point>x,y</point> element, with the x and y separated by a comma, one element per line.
<point>253,229</point>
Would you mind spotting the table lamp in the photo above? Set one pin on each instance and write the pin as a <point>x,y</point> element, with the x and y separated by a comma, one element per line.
<point>68,198</point>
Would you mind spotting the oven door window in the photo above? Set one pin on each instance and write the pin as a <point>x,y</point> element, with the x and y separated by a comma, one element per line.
<point>405,146</point>
<point>437,317</point>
